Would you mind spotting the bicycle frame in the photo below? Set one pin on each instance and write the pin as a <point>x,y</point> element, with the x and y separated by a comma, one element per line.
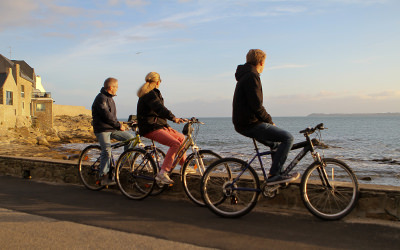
<point>187,143</point>
<point>136,141</point>
<point>307,147</point>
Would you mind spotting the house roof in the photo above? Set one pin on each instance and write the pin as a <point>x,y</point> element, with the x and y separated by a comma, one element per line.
<point>26,70</point>
<point>6,60</point>
<point>3,77</point>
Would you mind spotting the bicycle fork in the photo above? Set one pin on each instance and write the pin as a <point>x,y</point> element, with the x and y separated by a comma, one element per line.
<point>322,170</point>
<point>199,163</point>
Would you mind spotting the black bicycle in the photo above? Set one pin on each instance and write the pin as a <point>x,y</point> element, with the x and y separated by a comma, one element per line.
<point>329,188</point>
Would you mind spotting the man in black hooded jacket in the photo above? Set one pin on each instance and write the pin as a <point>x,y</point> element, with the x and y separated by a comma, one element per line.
<point>107,126</point>
<point>252,120</point>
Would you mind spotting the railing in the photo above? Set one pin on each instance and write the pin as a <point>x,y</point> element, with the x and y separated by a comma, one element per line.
<point>41,95</point>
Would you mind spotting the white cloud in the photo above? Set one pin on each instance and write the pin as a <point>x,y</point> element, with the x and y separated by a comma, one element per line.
<point>364,60</point>
<point>16,13</point>
<point>280,10</point>
<point>129,3</point>
<point>384,95</point>
<point>165,25</point>
<point>361,2</point>
<point>136,3</point>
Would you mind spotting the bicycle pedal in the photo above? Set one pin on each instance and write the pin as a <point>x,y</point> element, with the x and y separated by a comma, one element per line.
<point>234,200</point>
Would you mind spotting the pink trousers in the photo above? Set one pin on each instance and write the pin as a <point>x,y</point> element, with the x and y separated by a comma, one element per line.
<point>172,138</point>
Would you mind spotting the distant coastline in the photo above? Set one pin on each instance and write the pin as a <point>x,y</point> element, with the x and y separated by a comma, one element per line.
<point>353,114</point>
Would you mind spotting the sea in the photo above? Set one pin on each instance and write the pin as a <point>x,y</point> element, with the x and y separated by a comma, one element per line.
<point>370,145</point>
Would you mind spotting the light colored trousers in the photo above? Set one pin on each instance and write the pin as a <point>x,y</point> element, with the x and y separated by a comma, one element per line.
<point>104,139</point>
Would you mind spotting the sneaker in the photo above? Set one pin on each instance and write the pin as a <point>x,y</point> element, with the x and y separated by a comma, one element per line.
<point>190,170</point>
<point>282,179</point>
<point>105,181</point>
<point>164,178</point>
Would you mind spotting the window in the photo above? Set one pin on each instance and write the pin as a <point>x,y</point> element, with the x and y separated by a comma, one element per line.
<point>9,98</point>
<point>22,91</point>
<point>23,105</point>
<point>40,107</point>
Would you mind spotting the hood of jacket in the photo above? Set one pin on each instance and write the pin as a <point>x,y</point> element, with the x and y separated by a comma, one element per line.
<point>244,69</point>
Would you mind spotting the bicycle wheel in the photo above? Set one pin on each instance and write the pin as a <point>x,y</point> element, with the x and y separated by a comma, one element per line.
<point>192,180</point>
<point>329,192</point>
<point>230,187</point>
<point>135,173</point>
<point>158,157</point>
<point>89,166</point>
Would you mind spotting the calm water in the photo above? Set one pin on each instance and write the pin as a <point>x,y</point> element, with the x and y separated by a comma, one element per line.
<point>369,145</point>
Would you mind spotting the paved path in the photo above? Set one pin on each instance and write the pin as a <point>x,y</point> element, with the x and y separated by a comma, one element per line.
<point>26,231</point>
<point>42,215</point>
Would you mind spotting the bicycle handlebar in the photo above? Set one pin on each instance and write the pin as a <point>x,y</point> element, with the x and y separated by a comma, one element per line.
<point>309,130</point>
<point>131,123</point>
<point>194,120</point>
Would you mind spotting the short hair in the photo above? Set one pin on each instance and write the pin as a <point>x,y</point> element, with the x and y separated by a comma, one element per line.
<point>109,82</point>
<point>255,56</point>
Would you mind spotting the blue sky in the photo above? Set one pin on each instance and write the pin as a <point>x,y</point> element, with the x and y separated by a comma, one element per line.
<point>323,56</point>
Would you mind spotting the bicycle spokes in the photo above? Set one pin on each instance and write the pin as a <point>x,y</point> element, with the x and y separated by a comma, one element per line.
<point>331,191</point>
<point>135,173</point>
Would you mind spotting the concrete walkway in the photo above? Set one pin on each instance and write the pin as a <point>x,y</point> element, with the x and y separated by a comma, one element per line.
<point>39,215</point>
<point>25,231</point>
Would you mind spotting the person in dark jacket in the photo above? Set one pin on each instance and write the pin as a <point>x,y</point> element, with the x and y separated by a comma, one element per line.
<point>107,126</point>
<point>252,120</point>
<point>152,118</point>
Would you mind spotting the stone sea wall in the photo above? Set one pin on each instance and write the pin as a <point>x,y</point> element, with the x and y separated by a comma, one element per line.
<point>377,202</point>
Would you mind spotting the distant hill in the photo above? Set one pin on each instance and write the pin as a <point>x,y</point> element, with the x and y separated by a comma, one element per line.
<point>354,114</point>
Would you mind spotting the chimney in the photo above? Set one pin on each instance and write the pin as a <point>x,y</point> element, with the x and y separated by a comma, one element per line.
<point>17,72</point>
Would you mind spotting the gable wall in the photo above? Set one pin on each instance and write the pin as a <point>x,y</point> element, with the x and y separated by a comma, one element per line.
<point>8,113</point>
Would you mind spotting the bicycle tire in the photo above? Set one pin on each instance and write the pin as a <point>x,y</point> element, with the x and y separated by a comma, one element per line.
<point>192,181</point>
<point>135,174</point>
<point>89,166</point>
<point>216,188</point>
<point>158,158</point>
<point>330,203</point>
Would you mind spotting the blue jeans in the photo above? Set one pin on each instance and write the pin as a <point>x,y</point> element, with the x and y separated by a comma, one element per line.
<point>104,139</point>
<point>275,138</point>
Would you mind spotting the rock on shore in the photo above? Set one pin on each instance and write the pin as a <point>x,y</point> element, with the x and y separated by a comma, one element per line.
<point>31,142</point>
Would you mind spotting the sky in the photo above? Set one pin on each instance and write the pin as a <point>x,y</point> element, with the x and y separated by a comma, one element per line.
<point>323,56</point>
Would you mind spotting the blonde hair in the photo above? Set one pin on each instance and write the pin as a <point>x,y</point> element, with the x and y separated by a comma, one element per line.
<point>255,56</point>
<point>151,81</point>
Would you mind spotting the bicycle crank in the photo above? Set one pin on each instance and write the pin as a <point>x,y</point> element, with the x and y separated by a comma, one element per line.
<point>229,189</point>
<point>270,191</point>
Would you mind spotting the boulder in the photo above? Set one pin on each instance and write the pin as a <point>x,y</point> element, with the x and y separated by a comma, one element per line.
<point>41,140</point>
